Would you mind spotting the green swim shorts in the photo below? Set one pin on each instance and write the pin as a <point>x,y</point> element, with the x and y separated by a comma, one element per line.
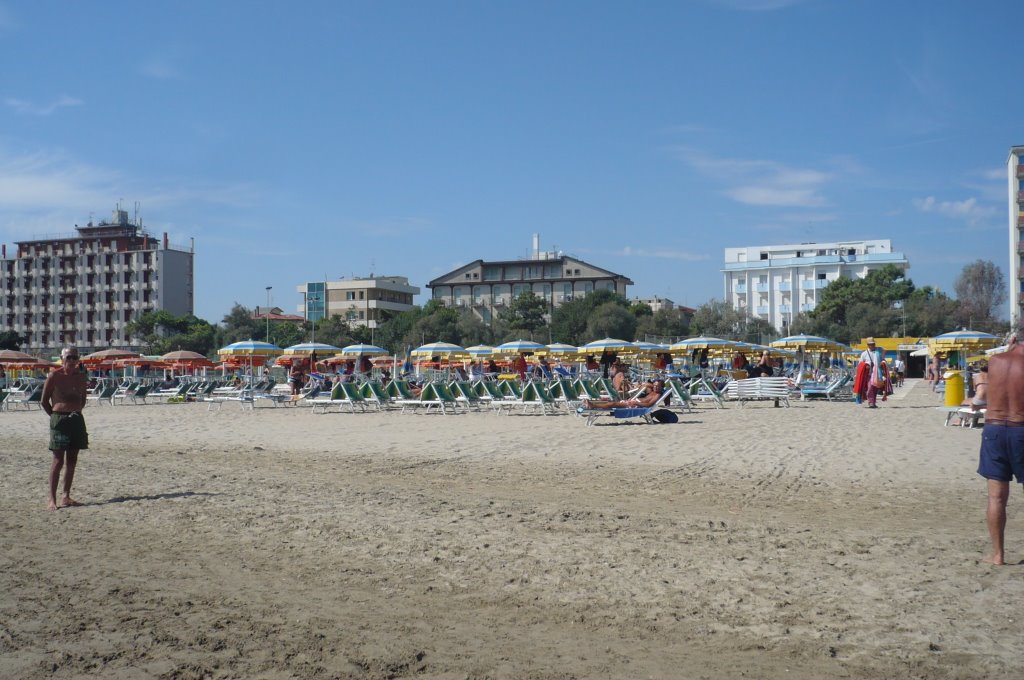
<point>67,431</point>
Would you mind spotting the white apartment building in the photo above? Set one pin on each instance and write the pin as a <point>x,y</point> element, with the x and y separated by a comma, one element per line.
<point>776,283</point>
<point>83,288</point>
<point>362,301</point>
<point>1015,172</point>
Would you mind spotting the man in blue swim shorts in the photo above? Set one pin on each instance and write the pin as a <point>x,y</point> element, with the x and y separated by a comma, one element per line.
<point>1002,441</point>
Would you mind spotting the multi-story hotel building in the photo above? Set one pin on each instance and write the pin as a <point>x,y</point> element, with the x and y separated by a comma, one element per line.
<point>83,288</point>
<point>487,287</point>
<point>362,301</point>
<point>775,283</point>
<point>1015,173</point>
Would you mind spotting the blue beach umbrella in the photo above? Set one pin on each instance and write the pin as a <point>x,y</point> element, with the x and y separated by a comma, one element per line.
<point>480,351</point>
<point>702,342</point>
<point>561,349</point>
<point>517,346</point>
<point>609,344</point>
<point>807,342</point>
<point>249,348</point>
<point>966,339</point>
<point>436,349</point>
<point>362,349</point>
<point>308,348</point>
<point>641,347</point>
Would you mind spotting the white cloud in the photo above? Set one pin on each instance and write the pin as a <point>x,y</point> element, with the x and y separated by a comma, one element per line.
<point>26,107</point>
<point>629,251</point>
<point>161,68</point>
<point>968,209</point>
<point>763,183</point>
<point>47,181</point>
<point>995,174</point>
<point>54,189</point>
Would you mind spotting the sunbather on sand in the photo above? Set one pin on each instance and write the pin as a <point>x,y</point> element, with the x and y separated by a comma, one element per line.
<point>648,396</point>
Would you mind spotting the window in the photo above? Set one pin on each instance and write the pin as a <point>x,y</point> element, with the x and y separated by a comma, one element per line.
<point>821,277</point>
<point>350,295</point>
<point>764,256</point>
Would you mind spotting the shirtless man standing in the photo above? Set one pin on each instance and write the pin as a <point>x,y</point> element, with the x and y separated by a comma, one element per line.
<point>63,400</point>
<point>1002,440</point>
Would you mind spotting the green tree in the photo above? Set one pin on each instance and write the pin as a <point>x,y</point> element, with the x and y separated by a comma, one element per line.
<point>11,340</point>
<point>525,314</point>
<point>238,325</point>
<point>569,320</point>
<point>159,332</point>
<point>611,320</point>
<point>473,331</point>
<point>334,330</point>
<point>664,323</point>
<point>981,291</point>
<point>881,287</point>
<point>717,319</point>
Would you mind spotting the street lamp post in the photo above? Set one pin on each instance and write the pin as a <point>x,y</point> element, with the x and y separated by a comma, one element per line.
<point>267,312</point>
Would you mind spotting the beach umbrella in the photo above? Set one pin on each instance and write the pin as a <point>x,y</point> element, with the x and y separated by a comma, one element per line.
<point>439,349</point>
<point>109,355</point>
<point>249,348</point>
<point>183,356</point>
<point>963,340</point>
<point>810,343</point>
<point>361,349</point>
<point>560,349</point>
<point>518,346</point>
<point>10,356</point>
<point>702,342</point>
<point>248,352</point>
<point>607,344</point>
<point>479,351</point>
<point>640,347</point>
<point>309,348</point>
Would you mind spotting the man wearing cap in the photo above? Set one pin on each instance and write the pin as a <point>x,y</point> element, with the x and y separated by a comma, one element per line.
<point>1002,440</point>
<point>871,375</point>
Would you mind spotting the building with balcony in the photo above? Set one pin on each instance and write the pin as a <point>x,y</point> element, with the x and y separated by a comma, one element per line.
<point>362,301</point>
<point>488,287</point>
<point>1015,173</point>
<point>776,283</point>
<point>83,288</point>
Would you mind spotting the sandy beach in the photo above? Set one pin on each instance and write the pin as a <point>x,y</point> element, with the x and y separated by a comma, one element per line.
<point>820,541</point>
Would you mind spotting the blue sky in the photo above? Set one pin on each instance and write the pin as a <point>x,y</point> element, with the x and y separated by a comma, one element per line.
<point>297,141</point>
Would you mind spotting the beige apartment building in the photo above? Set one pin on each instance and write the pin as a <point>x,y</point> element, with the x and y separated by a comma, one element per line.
<point>83,288</point>
<point>362,301</point>
<point>488,287</point>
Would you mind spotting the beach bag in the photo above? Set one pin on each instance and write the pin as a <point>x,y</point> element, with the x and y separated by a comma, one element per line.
<point>663,415</point>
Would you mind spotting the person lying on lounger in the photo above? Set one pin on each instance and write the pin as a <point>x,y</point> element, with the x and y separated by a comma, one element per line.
<point>648,396</point>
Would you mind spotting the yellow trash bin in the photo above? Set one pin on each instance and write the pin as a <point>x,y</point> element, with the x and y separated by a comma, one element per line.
<point>954,387</point>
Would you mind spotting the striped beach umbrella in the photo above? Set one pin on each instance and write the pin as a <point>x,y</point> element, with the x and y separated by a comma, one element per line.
<point>807,342</point>
<point>479,351</point>
<point>308,348</point>
<point>518,346</point>
<point>964,339</point>
<point>362,349</point>
<point>701,342</point>
<point>558,349</point>
<point>640,347</point>
<point>249,348</point>
<point>439,349</point>
<point>607,344</point>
